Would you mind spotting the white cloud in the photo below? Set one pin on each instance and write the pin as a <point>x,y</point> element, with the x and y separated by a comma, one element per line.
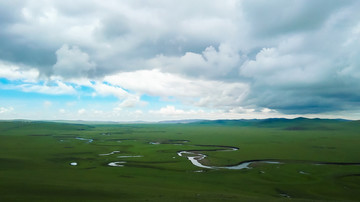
<point>267,110</point>
<point>14,72</point>
<point>131,101</point>
<point>73,63</point>
<point>98,112</point>
<point>152,82</point>
<point>81,111</point>
<point>107,90</point>
<point>273,67</point>
<point>52,89</point>
<point>172,111</point>
<point>210,63</point>
<point>4,110</point>
<point>128,100</point>
<point>241,110</point>
<point>197,92</point>
<point>139,112</point>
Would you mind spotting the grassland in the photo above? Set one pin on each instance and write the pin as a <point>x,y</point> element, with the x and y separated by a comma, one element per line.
<point>319,161</point>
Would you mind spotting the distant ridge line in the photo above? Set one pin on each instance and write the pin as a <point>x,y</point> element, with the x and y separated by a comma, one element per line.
<point>191,121</point>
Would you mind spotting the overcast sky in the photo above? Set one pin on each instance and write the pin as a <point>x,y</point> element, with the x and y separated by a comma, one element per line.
<point>190,59</point>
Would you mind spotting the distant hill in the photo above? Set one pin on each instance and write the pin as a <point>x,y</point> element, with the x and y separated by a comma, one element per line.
<point>237,122</point>
<point>288,124</point>
<point>183,121</point>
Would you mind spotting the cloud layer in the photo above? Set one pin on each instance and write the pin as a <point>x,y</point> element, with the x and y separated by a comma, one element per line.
<point>289,57</point>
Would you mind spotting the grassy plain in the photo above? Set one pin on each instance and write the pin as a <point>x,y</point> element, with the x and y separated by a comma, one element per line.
<point>35,161</point>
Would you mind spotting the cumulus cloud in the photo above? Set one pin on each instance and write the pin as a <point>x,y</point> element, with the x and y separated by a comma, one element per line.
<point>115,34</point>
<point>14,72</point>
<point>210,63</point>
<point>73,63</point>
<point>274,67</point>
<point>172,111</point>
<point>305,73</point>
<point>196,92</point>
<point>131,102</point>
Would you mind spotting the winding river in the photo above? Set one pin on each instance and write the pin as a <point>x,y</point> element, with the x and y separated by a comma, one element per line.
<point>196,157</point>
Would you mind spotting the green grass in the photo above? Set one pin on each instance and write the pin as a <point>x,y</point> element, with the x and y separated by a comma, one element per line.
<point>35,161</point>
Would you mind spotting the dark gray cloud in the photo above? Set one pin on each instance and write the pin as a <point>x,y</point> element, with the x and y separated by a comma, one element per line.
<point>281,17</point>
<point>9,12</point>
<point>310,72</point>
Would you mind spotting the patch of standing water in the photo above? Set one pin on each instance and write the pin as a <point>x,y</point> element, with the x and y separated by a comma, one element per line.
<point>113,152</point>
<point>73,164</point>
<point>154,142</point>
<point>231,149</point>
<point>117,164</point>
<point>89,140</point>
<point>138,156</point>
<point>284,195</point>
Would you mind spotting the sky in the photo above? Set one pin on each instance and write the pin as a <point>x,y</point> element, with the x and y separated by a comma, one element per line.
<point>155,60</point>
